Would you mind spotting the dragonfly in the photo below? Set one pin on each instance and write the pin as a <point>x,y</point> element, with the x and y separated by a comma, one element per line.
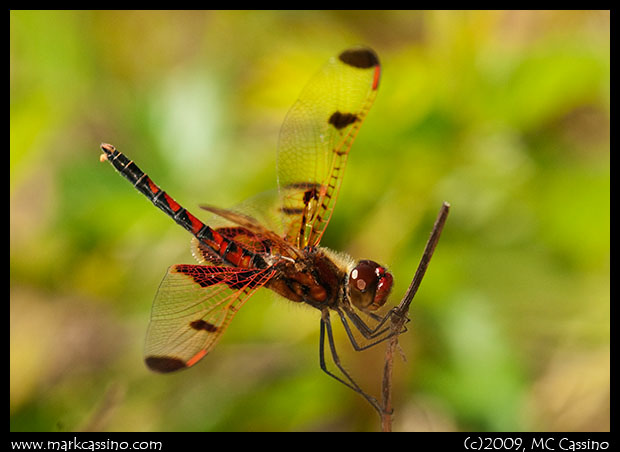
<point>276,246</point>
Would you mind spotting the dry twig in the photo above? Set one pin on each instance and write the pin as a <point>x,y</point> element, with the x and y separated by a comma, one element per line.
<point>399,317</point>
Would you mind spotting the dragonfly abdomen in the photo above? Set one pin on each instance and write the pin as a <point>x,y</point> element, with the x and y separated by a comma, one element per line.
<point>231,252</point>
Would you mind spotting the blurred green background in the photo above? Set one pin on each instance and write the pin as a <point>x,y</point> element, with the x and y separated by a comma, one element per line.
<point>503,114</point>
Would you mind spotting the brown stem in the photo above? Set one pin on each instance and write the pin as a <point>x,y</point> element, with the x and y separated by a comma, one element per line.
<point>399,316</point>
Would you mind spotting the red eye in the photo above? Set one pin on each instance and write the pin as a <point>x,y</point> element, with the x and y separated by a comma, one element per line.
<point>369,285</point>
<point>364,275</point>
<point>383,288</point>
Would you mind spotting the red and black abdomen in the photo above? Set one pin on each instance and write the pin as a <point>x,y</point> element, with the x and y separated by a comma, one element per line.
<point>231,252</point>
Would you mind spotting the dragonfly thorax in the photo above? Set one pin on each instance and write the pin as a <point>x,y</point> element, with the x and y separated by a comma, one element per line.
<point>315,279</point>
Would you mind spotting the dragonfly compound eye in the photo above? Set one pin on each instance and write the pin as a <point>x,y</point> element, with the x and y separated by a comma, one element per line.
<point>369,285</point>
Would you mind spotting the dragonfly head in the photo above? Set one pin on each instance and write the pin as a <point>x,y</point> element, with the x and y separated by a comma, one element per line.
<point>369,285</point>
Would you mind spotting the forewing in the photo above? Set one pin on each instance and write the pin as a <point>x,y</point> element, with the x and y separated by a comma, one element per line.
<point>250,232</point>
<point>315,140</point>
<point>255,224</point>
<point>192,308</point>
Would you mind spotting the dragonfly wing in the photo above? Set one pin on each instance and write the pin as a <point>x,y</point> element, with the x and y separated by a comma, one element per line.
<point>192,308</point>
<point>251,233</point>
<point>254,223</point>
<point>315,140</point>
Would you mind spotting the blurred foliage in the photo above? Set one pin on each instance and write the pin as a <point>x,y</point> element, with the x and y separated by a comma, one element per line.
<point>504,114</point>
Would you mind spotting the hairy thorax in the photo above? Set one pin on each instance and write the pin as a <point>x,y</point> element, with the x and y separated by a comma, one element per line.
<point>318,278</point>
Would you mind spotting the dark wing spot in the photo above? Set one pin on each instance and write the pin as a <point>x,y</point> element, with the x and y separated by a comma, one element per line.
<point>341,120</point>
<point>164,364</point>
<point>291,210</point>
<point>301,185</point>
<point>362,58</point>
<point>202,325</point>
<point>309,195</point>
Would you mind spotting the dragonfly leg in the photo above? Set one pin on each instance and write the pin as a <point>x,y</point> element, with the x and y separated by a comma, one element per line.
<point>378,336</point>
<point>326,327</point>
<point>377,333</point>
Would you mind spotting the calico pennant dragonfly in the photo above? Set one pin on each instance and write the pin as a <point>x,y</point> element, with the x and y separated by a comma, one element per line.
<point>243,250</point>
